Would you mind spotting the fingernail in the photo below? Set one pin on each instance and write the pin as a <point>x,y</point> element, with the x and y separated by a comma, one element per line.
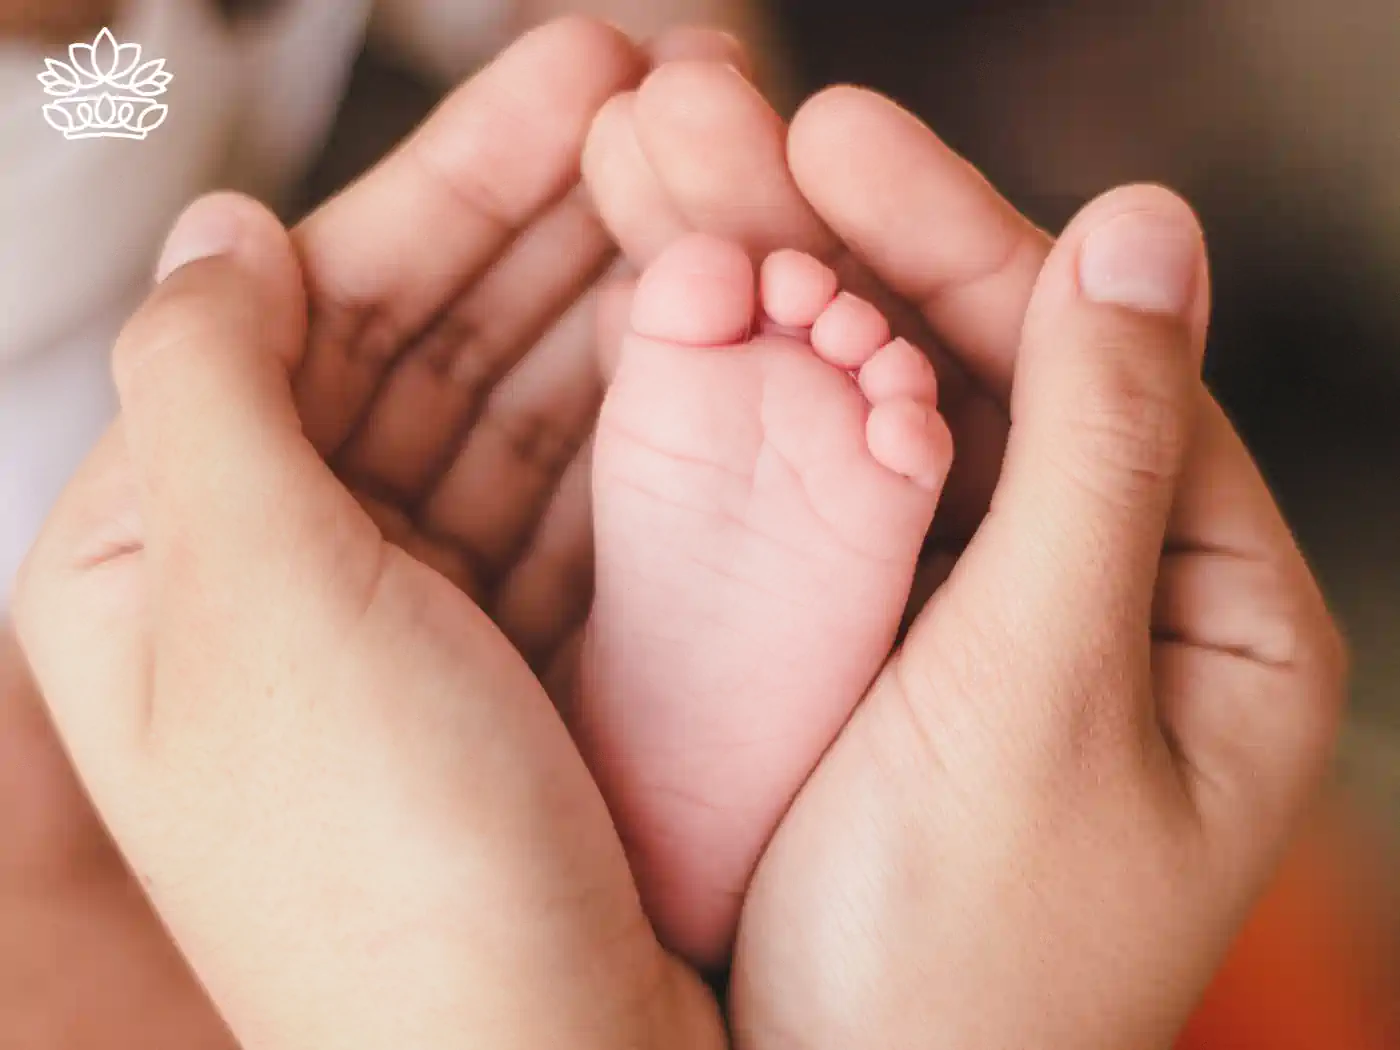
<point>1142,260</point>
<point>209,227</point>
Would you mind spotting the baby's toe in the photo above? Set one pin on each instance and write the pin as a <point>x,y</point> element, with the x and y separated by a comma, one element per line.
<point>911,439</point>
<point>698,292</point>
<point>849,331</point>
<point>795,288</point>
<point>899,370</point>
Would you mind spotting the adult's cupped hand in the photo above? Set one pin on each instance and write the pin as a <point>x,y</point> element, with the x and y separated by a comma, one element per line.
<point>448,372</point>
<point>1049,817</point>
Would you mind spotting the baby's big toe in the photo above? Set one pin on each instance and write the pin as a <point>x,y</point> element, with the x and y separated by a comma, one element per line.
<point>698,292</point>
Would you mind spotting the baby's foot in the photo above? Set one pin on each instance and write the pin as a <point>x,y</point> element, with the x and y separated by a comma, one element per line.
<point>763,482</point>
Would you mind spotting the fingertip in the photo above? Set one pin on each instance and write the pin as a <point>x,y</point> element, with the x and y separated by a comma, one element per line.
<point>623,187</point>
<point>229,225</point>
<point>1145,255</point>
<point>719,149</point>
<point>700,44</point>
<point>226,249</point>
<point>1141,196</point>
<point>611,152</point>
<point>225,224</point>
<point>835,95</point>
<point>689,90</point>
<point>611,125</point>
<point>1142,248</point>
<point>588,42</point>
<point>835,111</point>
<point>209,227</point>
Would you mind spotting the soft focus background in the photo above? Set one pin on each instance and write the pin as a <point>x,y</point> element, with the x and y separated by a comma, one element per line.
<point>1279,119</point>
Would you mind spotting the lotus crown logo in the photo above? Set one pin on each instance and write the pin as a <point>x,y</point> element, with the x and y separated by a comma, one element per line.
<point>104,91</point>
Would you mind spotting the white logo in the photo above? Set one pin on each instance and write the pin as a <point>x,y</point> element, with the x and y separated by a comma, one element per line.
<point>106,92</point>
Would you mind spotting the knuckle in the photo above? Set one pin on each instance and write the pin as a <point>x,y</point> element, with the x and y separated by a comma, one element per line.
<point>356,322</point>
<point>537,441</point>
<point>1277,616</point>
<point>607,48</point>
<point>465,187</point>
<point>1129,416</point>
<point>460,349</point>
<point>1296,629</point>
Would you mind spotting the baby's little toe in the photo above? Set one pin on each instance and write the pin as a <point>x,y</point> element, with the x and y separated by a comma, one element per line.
<point>849,331</point>
<point>911,439</point>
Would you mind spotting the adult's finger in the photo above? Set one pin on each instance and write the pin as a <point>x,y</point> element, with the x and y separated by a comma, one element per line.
<point>547,596</point>
<point>431,399</point>
<point>699,44</point>
<point>936,232</point>
<point>208,428</point>
<point>632,201</point>
<point>932,228</point>
<point>498,153</point>
<point>427,401</point>
<point>1237,606</point>
<point>924,220</point>
<point>1105,394</point>
<point>203,373</point>
<point>496,488</point>
<point>719,150</point>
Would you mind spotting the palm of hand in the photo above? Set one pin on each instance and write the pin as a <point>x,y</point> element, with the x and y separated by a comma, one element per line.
<point>454,387</point>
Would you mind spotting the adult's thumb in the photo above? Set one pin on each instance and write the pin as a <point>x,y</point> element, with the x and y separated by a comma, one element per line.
<point>179,491</point>
<point>1106,388</point>
<point>226,480</point>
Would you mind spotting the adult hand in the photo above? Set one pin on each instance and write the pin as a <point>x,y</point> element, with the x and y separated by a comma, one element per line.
<point>452,375</point>
<point>83,963</point>
<point>440,312</point>
<point>1068,788</point>
<point>348,797</point>
<point>1047,820</point>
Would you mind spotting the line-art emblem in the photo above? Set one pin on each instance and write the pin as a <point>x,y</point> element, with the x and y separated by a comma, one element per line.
<point>104,91</point>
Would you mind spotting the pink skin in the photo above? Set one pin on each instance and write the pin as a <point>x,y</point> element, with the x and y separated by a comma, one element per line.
<point>763,482</point>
